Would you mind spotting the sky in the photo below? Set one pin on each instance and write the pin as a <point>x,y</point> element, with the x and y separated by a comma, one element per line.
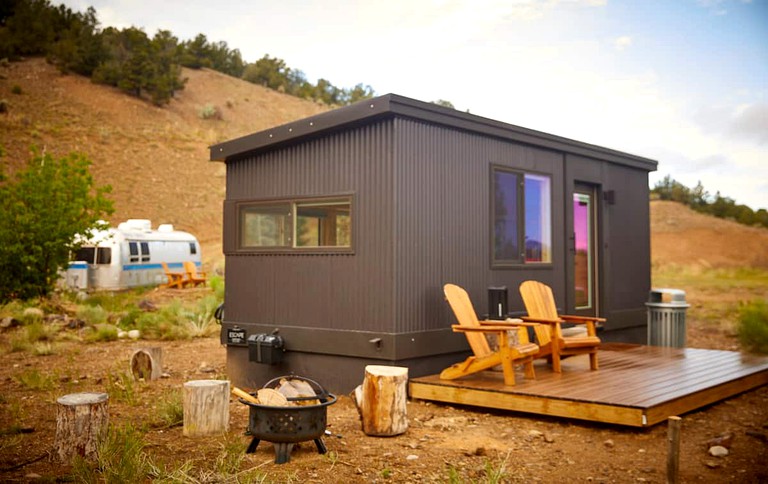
<point>683,82</point>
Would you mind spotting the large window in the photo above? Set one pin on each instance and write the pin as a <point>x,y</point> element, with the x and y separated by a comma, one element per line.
<point>296,224</point>
<point>521,217</point>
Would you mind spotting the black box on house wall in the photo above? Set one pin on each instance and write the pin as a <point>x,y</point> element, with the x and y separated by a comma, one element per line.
<point>265,348</point>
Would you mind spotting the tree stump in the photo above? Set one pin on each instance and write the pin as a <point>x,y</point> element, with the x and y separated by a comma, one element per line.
<point>81,422</point>
<point>147,363</point>
<point>206,407</point>
<point>381,400</point>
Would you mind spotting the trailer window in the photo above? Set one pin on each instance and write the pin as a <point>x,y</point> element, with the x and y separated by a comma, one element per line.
<point>522,218</point>
<point>145,252</point>
<point>192,248</point>
<point>306,225</point>
<point>104,255</point>
<point>84,254</point>
<point>133,250</point>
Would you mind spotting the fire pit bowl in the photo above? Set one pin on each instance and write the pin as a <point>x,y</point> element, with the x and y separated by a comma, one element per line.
<point>285,426</point>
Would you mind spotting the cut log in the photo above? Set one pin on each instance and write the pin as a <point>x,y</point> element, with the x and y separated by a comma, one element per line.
<point>81,422</point>
<point>206,407</point>
<point>147,363</point>
<point>382,400</point>
<point>244,395</point>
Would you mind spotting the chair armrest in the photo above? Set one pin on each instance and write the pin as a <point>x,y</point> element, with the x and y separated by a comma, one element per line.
<point>508,321</point>
<point>542,320</point>
<point>581,319</point>
<point>483,329</point>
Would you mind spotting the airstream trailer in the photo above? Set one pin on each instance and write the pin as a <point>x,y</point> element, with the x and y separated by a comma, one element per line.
<point>130,255</point>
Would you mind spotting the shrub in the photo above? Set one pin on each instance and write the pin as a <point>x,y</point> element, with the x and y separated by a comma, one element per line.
<point>753,326</point>
<point>16,89</point>
<point>45,206</point>
<point>92,315</point>
<point>209,111</point>
<point>170,410</point>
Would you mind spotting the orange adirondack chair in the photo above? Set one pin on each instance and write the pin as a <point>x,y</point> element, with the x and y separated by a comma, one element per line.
<point>175,279</point>
<point>540,305</point>
<point>194,276</point>
<point>484,357</point>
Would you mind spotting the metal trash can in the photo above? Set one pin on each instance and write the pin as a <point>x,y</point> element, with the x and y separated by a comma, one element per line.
<point>666,317</point>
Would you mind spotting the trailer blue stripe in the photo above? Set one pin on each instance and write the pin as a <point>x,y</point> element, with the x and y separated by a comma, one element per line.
<point>145,267</point>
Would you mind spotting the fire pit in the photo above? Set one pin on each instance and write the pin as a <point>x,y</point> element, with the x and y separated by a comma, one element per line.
<point>287,425</point>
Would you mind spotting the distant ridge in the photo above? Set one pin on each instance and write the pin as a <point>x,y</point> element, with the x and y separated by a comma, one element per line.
<point>156,159</point>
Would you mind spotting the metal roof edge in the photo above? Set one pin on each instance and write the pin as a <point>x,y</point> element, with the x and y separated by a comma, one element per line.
<point>396,105</point>
<point>313,125</point>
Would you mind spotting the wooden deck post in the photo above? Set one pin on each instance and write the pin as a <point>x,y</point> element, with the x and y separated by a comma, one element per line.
<point>381,400</point>
<point>206,407</point>
<point>673,449</point>
<point>81,422</point>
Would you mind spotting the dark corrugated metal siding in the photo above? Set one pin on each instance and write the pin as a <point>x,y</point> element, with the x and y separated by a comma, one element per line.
<point>442,224</point>
<point>345,292</point>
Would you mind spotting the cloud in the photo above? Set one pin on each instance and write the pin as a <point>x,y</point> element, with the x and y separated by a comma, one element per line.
<point>622,42</point>
<point>745,122</point>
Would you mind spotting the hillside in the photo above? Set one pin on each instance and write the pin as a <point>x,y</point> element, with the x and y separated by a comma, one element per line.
<point>156,159</point>
<point>682,236</point>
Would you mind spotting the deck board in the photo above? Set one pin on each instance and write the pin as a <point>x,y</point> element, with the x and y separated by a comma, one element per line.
<point>635,385</point>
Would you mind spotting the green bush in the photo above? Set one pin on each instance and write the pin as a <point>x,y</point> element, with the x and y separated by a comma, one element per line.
<point>753,326</point>
<point>16,89</point>
<point>45,206</point>
<point>92,315</point>
<point>209,111</point>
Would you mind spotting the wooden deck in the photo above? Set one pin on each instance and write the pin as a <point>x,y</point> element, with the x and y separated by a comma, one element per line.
<point>636,385</point>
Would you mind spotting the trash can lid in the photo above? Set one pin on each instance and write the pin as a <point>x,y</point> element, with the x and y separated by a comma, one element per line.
<point>676,296</point>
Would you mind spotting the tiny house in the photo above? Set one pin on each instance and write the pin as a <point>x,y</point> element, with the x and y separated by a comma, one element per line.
<point>341,229</point>
<point>130,255</point>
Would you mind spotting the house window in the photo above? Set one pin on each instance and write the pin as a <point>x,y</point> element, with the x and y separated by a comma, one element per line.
<point>521,217</point>
<point>296,225</point>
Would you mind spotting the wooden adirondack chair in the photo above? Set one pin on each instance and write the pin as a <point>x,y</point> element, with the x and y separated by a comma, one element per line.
<point>194,276</point>
<point>484,357</point>
<point>540,305</point>
<point>175,279</point>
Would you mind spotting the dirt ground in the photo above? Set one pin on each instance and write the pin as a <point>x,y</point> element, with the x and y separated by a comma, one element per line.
<point>443,443</point>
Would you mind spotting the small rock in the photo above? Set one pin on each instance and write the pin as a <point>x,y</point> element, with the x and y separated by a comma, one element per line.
<point>207,369</point>
<point>9,322</point>
<point>146,305</point>
<point>648,470</point>
<point>480,451</point>
<point>134,334</point>
<point>548,438</point>
<point>712,464</point>
<point>718,451</point>
<point>122,334</point>
<point>609,443</point>
<point>412,457</point>
<point>64,379</point>
<point>165,375</point>
<point>535,433</point>
<point>33,476</point>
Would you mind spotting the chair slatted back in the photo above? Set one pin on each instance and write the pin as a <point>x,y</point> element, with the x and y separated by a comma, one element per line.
<point>465,314</point>
<point>539,302</point>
